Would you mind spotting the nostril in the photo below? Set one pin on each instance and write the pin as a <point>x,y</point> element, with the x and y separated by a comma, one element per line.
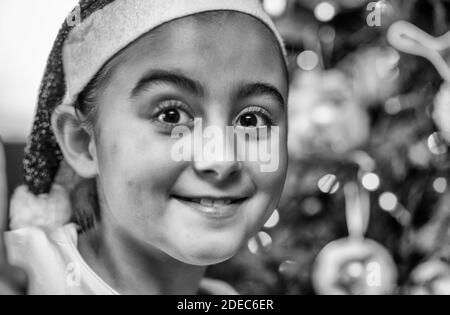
<point>218,171</point>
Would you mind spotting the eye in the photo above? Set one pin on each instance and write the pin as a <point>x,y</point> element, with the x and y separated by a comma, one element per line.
<point>173,113</point>
<point>254,117</point>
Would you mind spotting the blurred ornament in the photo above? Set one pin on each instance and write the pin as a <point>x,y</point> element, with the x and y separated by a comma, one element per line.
<point>375,74</point>
<point>441,113</point>
<point>410,39</point>
<point>355,265</point>
<point>321,107</point>
<point>431,278</point>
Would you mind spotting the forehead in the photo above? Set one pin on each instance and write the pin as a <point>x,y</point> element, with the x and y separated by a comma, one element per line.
<point>227,46</point>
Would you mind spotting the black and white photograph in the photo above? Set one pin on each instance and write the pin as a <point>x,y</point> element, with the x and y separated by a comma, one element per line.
<point>238,149</point>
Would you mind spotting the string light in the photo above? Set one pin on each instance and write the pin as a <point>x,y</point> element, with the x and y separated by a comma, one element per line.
<point>325,11</point>
<point>308,60</point>
<point>275,8</point>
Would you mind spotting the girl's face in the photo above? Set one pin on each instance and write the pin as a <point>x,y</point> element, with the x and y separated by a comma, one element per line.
<point>227,73</point>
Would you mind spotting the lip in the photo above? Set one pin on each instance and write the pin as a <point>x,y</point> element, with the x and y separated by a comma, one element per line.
<point>221,211</point>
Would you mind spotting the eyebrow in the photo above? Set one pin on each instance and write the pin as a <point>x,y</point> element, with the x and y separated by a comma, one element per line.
<point>258,89</point>
<point>174,78</point>
<point>180,80</point>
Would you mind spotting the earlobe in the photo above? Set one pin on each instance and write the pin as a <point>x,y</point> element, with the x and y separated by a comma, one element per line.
<point>75,141</point>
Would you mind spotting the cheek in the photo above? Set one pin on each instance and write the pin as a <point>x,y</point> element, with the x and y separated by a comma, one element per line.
<point>269,172</point>
<point>135,170</point>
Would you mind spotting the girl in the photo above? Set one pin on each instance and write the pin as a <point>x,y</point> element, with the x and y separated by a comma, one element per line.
<point>106,209</point>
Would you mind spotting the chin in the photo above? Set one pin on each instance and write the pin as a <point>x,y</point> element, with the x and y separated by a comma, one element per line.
<point>210,254</point>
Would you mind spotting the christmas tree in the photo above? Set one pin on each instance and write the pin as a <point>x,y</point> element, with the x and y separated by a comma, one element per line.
<point>369,134</point>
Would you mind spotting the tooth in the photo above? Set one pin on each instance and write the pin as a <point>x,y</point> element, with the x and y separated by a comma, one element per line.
<point>207,202</point>
<point>220,203</point>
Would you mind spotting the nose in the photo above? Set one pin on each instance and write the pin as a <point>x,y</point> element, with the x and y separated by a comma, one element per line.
<point>221,164</point>
<point>218,171</point>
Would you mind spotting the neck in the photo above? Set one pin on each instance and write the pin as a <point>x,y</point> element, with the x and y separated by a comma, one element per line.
<point>131,267</point>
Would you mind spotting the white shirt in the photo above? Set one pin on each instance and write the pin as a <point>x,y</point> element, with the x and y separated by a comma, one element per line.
<point>55,266</point>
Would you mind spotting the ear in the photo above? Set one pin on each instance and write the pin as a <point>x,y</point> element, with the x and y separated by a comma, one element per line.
<point>75,141</point>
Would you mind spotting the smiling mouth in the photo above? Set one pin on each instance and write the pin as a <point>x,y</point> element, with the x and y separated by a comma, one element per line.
<point>217,208</point>
<point>212,202</point>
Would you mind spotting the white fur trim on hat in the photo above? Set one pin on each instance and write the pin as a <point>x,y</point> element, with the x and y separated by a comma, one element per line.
<point>105,32</point>
<point>47,211</point>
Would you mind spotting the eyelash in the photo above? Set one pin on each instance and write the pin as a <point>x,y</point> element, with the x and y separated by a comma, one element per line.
<point>171,104</point>
<point>260,110</point>
<point>174,104</point>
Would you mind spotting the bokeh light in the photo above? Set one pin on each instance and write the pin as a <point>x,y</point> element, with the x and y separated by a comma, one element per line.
<point>440,185</point>
<point>308,60</point>
<point>325,11</point>
<point>273,220</point>
<point>371,181</point>
<point>329,184</point>
<point>436,144</point>
<point>275,8</point>
<point>260,243</point>
<point>388,201</point>
<point>393,106</point>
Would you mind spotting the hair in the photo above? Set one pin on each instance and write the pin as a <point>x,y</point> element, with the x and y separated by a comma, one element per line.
<point>84,194</point>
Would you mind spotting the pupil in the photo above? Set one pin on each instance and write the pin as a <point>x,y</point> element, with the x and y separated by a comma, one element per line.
<point>172,116</point>
<point>249,120</point>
